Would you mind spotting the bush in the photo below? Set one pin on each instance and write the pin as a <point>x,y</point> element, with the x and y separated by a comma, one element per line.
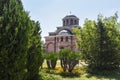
<point>68,59</point>
<point>51,59</point>
<point>47,76</point>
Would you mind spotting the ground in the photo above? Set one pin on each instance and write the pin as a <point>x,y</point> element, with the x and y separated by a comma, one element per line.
<point>79,73</point>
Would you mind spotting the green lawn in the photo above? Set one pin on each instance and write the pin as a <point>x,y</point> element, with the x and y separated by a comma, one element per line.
<point>79,73</point>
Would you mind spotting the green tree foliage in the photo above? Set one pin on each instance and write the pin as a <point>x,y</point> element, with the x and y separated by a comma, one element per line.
<point>2,5</point>
<point>68,59</point>
<point>99,43</point>
<point>13,40</point>
<point>43,54</point>
<point>20,43</point>
<point>34,56</point>
<point>108,43</point>
<point>51,59</point>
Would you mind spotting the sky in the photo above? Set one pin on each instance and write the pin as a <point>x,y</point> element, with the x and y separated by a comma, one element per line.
<point>51,12</point>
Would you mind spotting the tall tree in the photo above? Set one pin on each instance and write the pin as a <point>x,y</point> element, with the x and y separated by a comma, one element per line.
<point>87,40</point>
<point>2,4</point>
<point>14,25</point>
<point>99,43</point>
<point>109,55</point>
<point>34,56</point>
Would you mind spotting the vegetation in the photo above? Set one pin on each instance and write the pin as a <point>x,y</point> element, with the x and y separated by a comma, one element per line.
<point>34,56</point>
<point>51,59</point>
<point>48,76</point>
<point>78,73</point>
<point>21,48</point>
<point>99,43</point>
<point>13,40</point>
<point>20,43</point>
<point>68,59</point>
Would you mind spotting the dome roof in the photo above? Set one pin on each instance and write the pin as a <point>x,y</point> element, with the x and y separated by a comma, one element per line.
<point>70,20</point>
<point>70,16</point>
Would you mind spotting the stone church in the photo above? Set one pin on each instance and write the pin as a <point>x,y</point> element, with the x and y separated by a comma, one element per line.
<point>63,37</point>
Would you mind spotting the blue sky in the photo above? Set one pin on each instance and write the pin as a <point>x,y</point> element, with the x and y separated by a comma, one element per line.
<point>50,12</point>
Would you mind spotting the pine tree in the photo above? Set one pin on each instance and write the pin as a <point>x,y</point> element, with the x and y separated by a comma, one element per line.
<point>109,55</point>
<point>34,56</point>
<point>2,3</point>
<point>14,25</point>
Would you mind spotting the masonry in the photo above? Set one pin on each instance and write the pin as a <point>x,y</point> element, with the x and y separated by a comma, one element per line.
<point>63,37</point>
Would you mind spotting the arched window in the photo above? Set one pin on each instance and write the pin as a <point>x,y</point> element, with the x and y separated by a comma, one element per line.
<point>57,39</point>
<point>75,22</point>
<point>61,39</point>
<point>65,32</point>
<point>71,22</point>
<point>66,39</point>
<point>50,47</point>
<point>64,23</point>
<point>67,22</point>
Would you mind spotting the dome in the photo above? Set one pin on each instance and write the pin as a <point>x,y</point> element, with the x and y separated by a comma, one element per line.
<point>70,20</point>
<point>70,16</point>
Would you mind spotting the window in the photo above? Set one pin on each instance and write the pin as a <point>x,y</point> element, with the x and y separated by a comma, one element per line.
<point>75,22</point>
<point>61,39</point>
<point>63,23</point>
<point>66,39</point>
<point>64,32</point>
<point>71,22</point>
<point>58,39</point>
<point>67,22</point>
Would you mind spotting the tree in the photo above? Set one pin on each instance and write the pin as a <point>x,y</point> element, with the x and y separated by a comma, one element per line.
<point>99,43</point>
<point>2,4</point>
<point>51,59</point>
<point>108,43</point>
<point>87,40</point>
<point>68,59</point>
<point>34,56</point>
<point>14,25</point>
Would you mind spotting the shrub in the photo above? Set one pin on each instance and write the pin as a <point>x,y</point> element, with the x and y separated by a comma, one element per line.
<point>47,76</point>
<point>51,59</point>
<point>68,59</point>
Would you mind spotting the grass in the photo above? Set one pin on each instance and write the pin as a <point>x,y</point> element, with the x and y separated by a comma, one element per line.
<point>79,73</point>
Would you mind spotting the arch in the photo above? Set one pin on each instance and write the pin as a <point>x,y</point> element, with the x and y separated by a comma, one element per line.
<point>50,47</point>
<point>66,29</point>
<point>65,32</point>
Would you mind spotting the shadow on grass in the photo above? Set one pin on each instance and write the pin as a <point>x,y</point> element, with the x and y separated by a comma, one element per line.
<point>105,74</point>
<point>63,74</point>
<point>69,75</point>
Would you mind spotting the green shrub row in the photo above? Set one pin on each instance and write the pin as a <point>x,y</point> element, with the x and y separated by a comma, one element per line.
<point>68,59</point>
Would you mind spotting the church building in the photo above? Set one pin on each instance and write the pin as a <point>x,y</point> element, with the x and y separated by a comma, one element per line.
<point>63,37</point>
